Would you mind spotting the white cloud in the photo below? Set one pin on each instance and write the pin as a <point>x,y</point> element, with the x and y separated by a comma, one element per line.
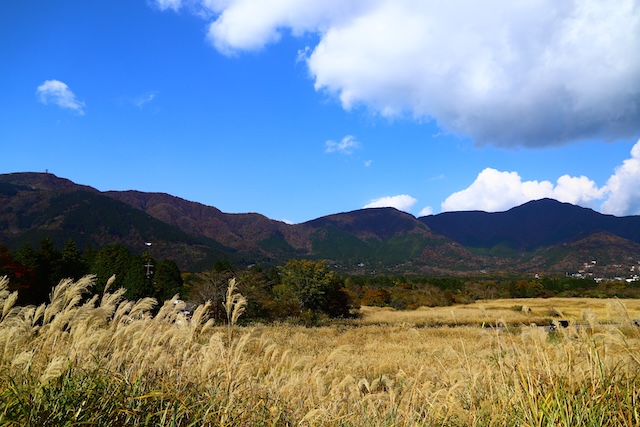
<point>577,190</point>
<point>494,191</point>
<point>623,187</point>
<point>506,73</point>
<point>58,93</point>
<point>531,73</point>
<point>345,146</point>
<point>402,202</point>
<point>250,24</point>
<point>426,211</point>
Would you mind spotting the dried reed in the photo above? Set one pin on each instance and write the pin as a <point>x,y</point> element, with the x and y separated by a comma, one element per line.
<point>107,361</point>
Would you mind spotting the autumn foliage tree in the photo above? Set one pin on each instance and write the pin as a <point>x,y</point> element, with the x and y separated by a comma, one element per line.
<point>211,286</point>
<point>313,287</point>
<point>376,297</point>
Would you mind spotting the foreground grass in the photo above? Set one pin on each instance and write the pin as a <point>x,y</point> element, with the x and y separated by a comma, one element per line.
<point>107,362</point>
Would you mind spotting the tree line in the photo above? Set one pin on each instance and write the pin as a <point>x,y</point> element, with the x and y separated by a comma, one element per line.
<point>33,272</point>
<point>413,291</point>
<point>309,291</point>
<point>303,290</point>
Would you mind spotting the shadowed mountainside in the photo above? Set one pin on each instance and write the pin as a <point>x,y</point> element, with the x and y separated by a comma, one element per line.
<point>535,224</point>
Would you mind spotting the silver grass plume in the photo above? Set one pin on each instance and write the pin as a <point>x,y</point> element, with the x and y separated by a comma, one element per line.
<point>235,304</point>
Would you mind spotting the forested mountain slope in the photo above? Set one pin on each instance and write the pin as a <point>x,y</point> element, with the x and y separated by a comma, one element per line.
<point>542,235</point>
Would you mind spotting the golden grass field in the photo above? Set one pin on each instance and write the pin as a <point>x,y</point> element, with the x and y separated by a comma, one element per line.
<point>516,311</point>
<point>106,362</point>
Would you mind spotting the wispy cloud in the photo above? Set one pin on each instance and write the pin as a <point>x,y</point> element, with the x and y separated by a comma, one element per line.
<point>58,93</point>
<point>143,99</point>
<point>346,146</point>
<point>502,72</point>
<point>402,202</point>
<point>174,5</point>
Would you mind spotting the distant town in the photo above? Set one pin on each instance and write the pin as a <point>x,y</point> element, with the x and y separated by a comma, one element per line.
<point>607,273</point>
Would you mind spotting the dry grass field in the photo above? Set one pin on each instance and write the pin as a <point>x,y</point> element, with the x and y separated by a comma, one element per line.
<point>107,362</point>
<point>522,311</point>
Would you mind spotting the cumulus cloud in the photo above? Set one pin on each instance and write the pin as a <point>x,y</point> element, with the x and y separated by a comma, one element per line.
<point>623,187</point>
<point>402,202</point>
<point>58,93</point>
<point>494,191</point>
<point>506,73</point>
<point>345,146</point>
<point>426,211</point>
<point>249,25</point>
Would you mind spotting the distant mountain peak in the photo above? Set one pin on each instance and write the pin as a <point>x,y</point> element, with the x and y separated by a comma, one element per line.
<point>537,223</point>
<point>41,180</point>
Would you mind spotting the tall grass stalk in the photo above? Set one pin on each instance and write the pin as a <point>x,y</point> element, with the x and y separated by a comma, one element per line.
<point>106,361</point>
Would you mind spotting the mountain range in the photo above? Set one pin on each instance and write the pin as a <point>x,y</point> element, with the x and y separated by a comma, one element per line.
<point>539,236</point>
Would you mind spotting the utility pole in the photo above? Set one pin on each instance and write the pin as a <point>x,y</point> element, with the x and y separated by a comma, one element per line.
<point>148,266</point>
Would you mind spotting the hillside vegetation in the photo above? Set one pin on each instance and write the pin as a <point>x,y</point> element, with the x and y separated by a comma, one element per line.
<point>538,237</point>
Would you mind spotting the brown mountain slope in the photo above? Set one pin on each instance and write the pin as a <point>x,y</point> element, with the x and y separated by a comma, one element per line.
<point>607,251</point>
<point>356,235</point>
<point>379,240</point>
<point>34,209</point>
<point>239,231</point>
<point>376,223</point>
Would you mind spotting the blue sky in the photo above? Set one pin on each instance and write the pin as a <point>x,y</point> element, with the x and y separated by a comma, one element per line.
<point>297,109</point>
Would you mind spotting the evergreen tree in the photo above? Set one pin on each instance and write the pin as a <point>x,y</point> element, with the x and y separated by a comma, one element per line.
<point>26,262</point>
<point>167,280</point>
<point>72,264</point>
<point>139,276</point>
<point>26,256</point>
<point>110,260</point>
